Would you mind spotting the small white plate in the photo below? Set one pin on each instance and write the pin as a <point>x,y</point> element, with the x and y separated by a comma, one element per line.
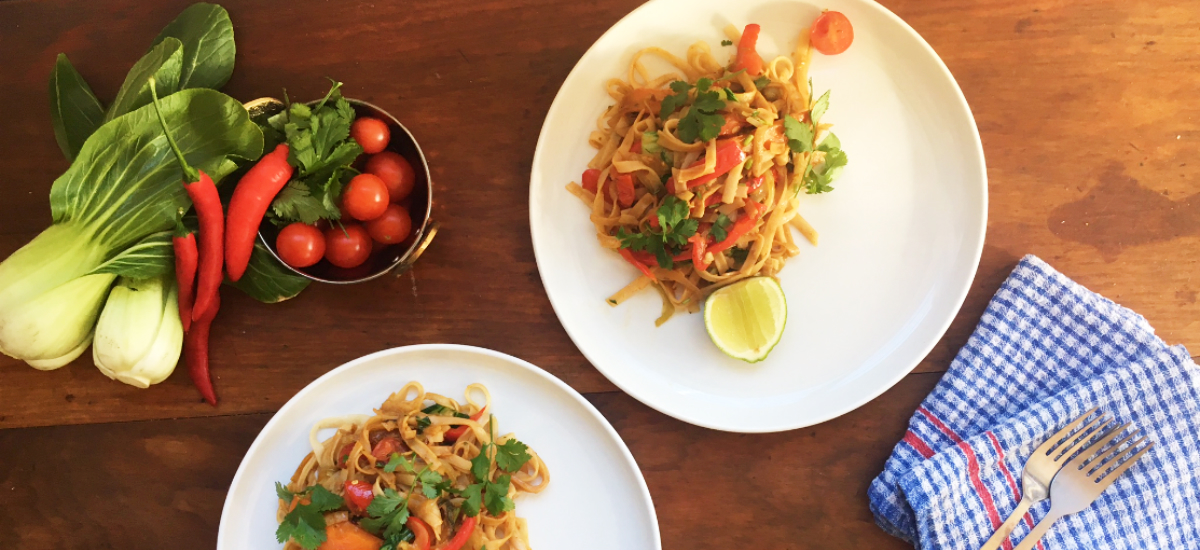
<point>901,235</point>
<point>594,482</point>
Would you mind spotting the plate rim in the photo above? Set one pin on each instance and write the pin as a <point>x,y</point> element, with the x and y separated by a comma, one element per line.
<point>630,461</point>
<point>960,296</point>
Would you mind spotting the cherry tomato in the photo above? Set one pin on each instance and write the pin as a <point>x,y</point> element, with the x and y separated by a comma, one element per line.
<point>396,173</point>
<point>371,133</point>
<point>386,446</point>
<point>347,247</point>
<point>392,227</point>
<point>831,33</point>
<point>300,245</point>
<point>422,532</point>
<point>365,198</point>
<point>358,496</point>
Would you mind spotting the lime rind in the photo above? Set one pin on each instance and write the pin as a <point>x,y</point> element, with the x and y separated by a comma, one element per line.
<point>746,320</point>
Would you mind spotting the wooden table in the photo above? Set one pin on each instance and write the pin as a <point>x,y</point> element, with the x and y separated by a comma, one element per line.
<point>1088,115</point>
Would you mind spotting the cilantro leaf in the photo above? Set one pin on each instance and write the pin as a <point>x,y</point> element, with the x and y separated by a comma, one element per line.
<point>473,499</point>
<point>511,455</point>
<point>702,121</point>
<point>305,524</point>
<point>398,460</point>
<point>386,503</point>
<point>727,42</point>
<point>282,492</point>
<point>720,228</point>
<point>761,82</point>
<point>673,102</point>
<point>481,463</point>
<point>830,143</point>
<point>387,512</point>
<point>430,483</point>
<point>729,94</point>
<point>495,496</point>
<point>819,108</point>
<point>295,202</point>
<point>799,134</point>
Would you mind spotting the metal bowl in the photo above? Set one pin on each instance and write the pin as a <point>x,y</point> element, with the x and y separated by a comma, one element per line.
<point>397,258</point>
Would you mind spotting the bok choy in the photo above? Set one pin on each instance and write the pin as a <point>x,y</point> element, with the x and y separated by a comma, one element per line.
<point>139,335</point>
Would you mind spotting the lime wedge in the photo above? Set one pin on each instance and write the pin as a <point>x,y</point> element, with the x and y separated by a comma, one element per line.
<point>746,319</point>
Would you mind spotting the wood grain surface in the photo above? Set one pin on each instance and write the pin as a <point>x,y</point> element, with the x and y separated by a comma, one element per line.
<point>1088,119</point>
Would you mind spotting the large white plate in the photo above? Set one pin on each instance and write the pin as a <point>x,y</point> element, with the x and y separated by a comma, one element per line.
<point>900,237</point>
<point>597,498</point>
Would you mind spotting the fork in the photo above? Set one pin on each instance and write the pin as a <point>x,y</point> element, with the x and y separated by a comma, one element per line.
<point>1045,461</point>
<point>1081,480</point>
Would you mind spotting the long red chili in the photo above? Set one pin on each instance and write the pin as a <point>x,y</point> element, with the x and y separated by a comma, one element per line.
<point>460,538</point>
<point>747,53</point>
<point>248,205</point>
<point>195,352</point>
<point>185,274</point>
<point>729,154</point>
<point>628,255</point>
<point>204,196</point>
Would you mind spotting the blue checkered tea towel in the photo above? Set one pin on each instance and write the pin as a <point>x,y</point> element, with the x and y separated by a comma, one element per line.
<point>1045,351</point>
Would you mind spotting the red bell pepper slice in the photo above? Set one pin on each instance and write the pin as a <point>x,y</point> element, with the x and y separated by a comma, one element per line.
<point>358,495</point>
<point>729,154</point>
<point>628,255</point>
<point>747,56</point>
<point>460,538</point>
<point>699,244</point>
<point>742,226</point>
<point>590,179</point>
<point>456,432</point>
<point>625,192</point>
<point>422,532</point>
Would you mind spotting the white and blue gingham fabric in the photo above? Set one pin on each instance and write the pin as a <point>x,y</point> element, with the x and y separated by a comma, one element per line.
<point>1046,351</point>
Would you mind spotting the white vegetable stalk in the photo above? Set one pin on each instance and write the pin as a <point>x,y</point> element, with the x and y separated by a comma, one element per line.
<point>139,336</point>
<point>48,305</point>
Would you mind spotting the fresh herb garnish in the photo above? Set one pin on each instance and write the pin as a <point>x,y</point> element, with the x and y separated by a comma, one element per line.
<point>387,513</point>
<point>729,94</point>
<point>305,524</point>
<point>321,150</point>
<point>702,121</point>
<point>819,177</point>
<point>819,108</point>
<point>493,495</point>
<point>422,423</point>
<point>739,255</point>
<point>727,42</point>
<point>799,134</point>
<point>398,460</point>
<point>761,82</point>
<point>511,455</point>
<point>675,228</point>
<point>720,228</point>
<point>673,102</point>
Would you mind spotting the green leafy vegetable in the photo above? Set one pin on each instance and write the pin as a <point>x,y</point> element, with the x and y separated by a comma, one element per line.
<point>398,460</point>
<point>702,121</point>
<point>208,48</point>
<point>729,94</point>
<point>163,62</point>
<point>387,514</point>
<point>673,102</point>
<point>123,186</point>
<point>305,524</point>
<point>799,134</point>
<point>495,496</point>
<point>820,176</point>
<point>511,455</point>
<point>74,109</point>
<point>819,108</point>
<point>430,482</point>
<point>473,499</point>
<point>739,255</point>
<point>321,149</point>
<point>720,228</point>
<point>761,82</point>
<point>266,280</point>
<point>675,228</point>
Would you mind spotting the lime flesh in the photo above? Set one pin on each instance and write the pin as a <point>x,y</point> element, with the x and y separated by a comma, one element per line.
<point>746,319</point>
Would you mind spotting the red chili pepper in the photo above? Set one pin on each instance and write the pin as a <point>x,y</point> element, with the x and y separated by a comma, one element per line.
<point>204,196</point>
<point>358,496</point>
<point>628,255</point>
<point>729,155</point>
<point>422,532</point>
<point>460,538</point>
<point>625,194</point>
<point>185,274</point>
<point>195,350</point>
<point>742,226</point>
<point>248,205</point>
<point>747,56</point>
<point>699,244</point>
<point>591,179</point>
<point>456,432</point>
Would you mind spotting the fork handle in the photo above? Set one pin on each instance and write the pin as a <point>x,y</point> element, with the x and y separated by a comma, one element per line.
<point>1039,530</point>
<point>1002,533</point>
